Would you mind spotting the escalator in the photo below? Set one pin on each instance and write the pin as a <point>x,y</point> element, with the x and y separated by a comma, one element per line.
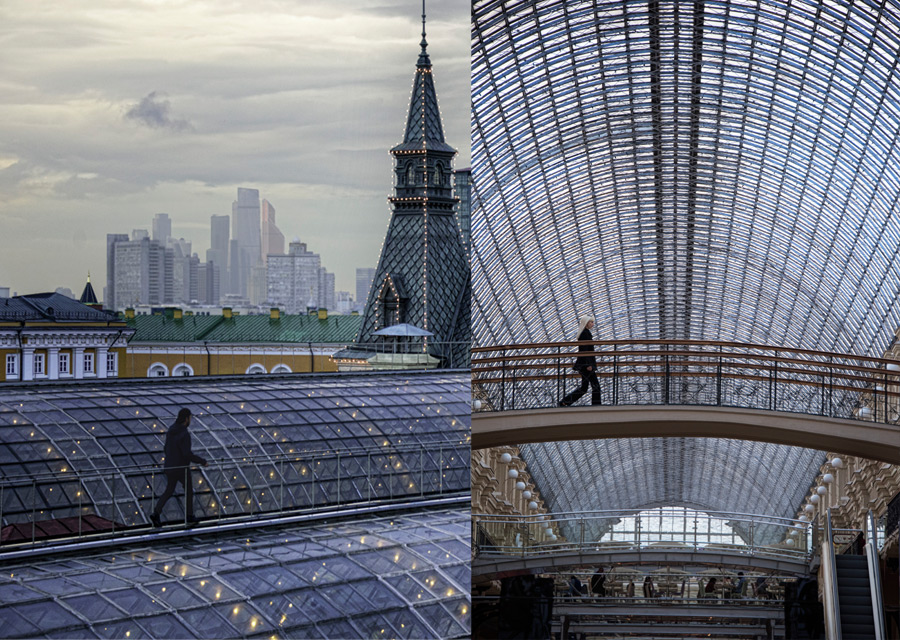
<point>852,587</point>
<point>854,598</point>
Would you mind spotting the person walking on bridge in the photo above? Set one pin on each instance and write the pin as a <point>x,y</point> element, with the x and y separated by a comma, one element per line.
<point>585,365</point>
<point>178,458</point>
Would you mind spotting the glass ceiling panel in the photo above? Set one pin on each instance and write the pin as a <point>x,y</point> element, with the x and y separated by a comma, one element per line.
<point>174,593</point>
<point>408,432</point>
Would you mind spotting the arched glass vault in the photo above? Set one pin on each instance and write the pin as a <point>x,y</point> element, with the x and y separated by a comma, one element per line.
<point>718,170</point>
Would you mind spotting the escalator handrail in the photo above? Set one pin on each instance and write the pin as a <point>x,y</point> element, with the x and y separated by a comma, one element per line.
<point>833,626</point>
<point>874,575</point>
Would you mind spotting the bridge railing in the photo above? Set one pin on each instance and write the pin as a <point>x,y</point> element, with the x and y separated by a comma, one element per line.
<point>38,508</point>
<point>625,532</point>
<point>688,372</point>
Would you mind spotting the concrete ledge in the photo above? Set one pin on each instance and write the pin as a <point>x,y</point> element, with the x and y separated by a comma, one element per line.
<point>872,440</point>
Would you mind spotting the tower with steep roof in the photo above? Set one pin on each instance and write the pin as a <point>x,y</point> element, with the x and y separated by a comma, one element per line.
<point>422,276</point>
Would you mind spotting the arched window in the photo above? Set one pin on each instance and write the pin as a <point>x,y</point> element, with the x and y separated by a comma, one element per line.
<point>256,368</point>
<point>182,370</point>
<point>157,370</point>
<point>410,175</point>
<point>438,176</point>
<point>281,368</point>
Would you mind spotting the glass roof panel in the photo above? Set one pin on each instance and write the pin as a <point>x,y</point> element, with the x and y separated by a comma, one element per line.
<point>179,595</point>
<point>63,461</point>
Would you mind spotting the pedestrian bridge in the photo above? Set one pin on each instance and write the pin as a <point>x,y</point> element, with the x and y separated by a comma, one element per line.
<point>818,400</point>
<point>507,545</point>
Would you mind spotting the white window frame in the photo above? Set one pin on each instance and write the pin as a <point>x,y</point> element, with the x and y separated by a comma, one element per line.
<point>40,364</point>
<point>255,369</point>
<point>12,365</point>
<point>112,362</point>
<point>281,368</point>
<point>88,362</point>
<point>65,359</point>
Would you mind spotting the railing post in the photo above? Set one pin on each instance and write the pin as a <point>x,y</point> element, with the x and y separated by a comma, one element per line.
<point>421,470</point>
<point>666,381</point>
<point>338,477</point>
<point>719,379</point>
<point>312,473</point>
<point>281,490</point>
<point>559,396</point>
<point>113,514</point>
<point>33,506</point>
<point>615,376</point>
<point>369,474</point>
<point>441,472</point>
<point>503,385</point>
<point>774,396</point>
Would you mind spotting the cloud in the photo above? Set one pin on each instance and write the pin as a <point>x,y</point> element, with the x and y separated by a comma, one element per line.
<point>153,111</point>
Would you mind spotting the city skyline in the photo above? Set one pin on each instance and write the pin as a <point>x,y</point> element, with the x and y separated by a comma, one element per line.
<point>117,113</point>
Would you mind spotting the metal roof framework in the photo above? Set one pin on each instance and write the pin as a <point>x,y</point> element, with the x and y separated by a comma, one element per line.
<point>717,170</point>
<point>402,576</point>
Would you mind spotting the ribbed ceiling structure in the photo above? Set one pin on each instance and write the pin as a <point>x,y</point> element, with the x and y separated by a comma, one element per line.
<point>711,170</point>
<point>703,170</point>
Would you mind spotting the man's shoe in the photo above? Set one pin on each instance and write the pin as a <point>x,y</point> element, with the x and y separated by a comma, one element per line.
<point>154,518</point>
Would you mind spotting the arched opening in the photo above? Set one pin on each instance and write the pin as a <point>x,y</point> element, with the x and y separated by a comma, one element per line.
<point>157,370</point>
<point>281,368</point>
<point>182,369</point>
<point>256,368</point>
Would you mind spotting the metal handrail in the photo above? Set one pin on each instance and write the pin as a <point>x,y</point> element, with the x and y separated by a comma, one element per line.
<point>531,376</point>
<point>829,571</point>
<point>71,476</point>
<point>771,535</point>
<point>378,472</point>
<point>874,575</point>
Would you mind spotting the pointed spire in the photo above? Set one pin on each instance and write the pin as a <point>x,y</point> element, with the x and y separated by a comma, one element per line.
<point>424,60</point>
<point>88,296</point>
<point>423,124</point>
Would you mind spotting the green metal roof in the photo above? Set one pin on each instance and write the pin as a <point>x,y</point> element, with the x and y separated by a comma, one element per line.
<point>262,328</point>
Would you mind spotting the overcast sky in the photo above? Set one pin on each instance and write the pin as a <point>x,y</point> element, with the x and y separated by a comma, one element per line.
<point>114,110</point>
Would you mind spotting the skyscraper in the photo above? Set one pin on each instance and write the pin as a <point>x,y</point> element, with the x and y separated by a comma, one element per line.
<point>144,273</point>
<point>422,276</point>
<point>217,254</point>
<point>293,279</point>
<point>364,277</point>
<point>109,292</point>
<point>272,238</point>
<point>462,187</point>
<point>162,227</point>
<point>245,229</point>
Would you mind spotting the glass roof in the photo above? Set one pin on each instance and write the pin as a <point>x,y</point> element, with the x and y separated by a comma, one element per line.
<point>297,441</point>
<point>707,474</point>
<point>725,170</point>
<point>405,576</point>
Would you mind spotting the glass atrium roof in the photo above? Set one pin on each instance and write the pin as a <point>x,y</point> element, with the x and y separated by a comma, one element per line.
<point>708,474</point>
<point>292,442</point>
<point>722,170</point>
<point>404,576</point>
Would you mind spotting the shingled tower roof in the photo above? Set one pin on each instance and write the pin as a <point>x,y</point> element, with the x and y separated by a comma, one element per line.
<point>423,273</point>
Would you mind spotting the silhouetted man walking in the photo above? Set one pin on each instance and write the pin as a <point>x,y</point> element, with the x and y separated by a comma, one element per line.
<point>177,465</point>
